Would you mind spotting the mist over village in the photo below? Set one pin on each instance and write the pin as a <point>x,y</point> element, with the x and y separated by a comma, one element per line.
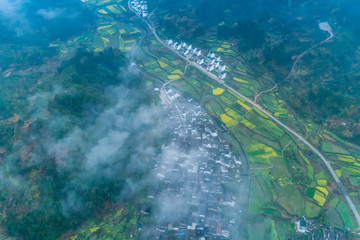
<point>166,119</point>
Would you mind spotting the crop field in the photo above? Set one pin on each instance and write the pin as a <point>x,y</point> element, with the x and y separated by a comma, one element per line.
<point>163,68</point>
<point>121,224</point>
<point>346,161</point>
<point>221,48</point>
<point>268,228</point>
<point>218,91</point>
<point>278,185</point>
<point>107,34</point>
<point>112,34</point>
<point>332,148</point>
<point>286,177</point>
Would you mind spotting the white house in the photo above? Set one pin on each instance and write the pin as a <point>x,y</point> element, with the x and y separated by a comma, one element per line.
<point>300,226</point>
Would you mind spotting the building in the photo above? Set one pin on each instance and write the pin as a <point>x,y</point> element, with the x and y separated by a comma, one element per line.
<point>140,8</point>
<point>300,226</point>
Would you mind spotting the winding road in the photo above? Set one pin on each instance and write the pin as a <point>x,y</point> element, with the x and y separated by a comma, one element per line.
<point>260,108</point>
<point>295,63</point>
<point>163,97</point>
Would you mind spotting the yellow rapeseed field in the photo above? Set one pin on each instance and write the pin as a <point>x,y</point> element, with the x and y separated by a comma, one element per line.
<point>240,80</point>
<point>244,105</point>
<point>162,64</point>
<point>227,120</point>
<point>172,77</point>
<point>319,198</point>
<point>218,91</point>
<point>323,190</point>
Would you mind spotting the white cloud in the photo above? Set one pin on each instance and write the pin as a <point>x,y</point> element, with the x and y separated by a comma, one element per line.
<point>50,13</point>
<point>9,8</point>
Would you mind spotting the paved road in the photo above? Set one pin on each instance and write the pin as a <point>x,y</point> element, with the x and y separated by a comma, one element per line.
<point>163,95</point>
<point>171,81</point>
<point>260,108</point>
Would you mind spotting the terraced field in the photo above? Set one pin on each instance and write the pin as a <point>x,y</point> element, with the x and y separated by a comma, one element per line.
<point>287,178</point>
<point>286,171</point>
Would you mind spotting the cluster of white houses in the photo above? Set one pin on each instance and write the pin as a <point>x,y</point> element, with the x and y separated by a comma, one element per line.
<point>211,62</point>
<point>140,7</point>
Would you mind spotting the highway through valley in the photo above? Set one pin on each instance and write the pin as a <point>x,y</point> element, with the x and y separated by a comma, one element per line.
<point>260,108</point>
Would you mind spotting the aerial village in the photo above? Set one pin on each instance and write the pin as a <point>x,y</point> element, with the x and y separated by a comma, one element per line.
<point>198,163</point>
<point>211,62</point>
<point>140,7</point>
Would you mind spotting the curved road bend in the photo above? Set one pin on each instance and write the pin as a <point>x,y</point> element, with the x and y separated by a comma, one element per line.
<point>171,81</point>
<point>295,63</point>
<point>260,108</point>
<point>163,95</point>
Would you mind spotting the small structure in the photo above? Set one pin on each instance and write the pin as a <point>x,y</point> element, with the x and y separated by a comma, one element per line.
<point>300,226</point>
<point>222,68</point>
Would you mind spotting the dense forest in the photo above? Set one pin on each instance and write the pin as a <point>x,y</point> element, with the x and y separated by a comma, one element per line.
<point>89,144</point>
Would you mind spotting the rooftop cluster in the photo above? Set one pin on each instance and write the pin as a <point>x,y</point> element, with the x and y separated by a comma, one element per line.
<point>211,62</point>
<point>198,163</point>
<point>140,7</point>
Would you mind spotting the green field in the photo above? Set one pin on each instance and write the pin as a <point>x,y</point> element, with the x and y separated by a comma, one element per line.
<point>285,174</point>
